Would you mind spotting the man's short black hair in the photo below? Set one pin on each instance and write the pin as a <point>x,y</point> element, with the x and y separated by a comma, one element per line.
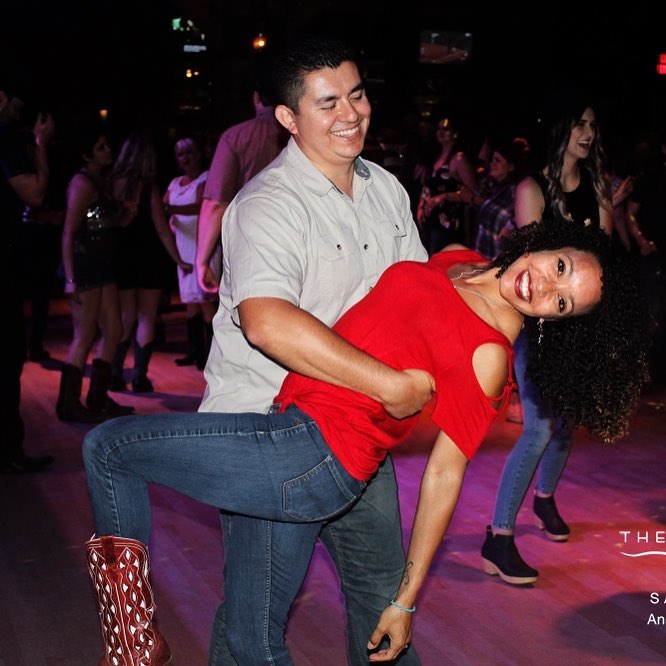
<point>309,53</point>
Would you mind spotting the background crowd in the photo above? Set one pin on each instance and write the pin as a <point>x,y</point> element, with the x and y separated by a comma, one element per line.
<point>116,229</point>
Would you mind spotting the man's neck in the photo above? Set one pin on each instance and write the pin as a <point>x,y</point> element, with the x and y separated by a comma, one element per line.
<point>343,180</point>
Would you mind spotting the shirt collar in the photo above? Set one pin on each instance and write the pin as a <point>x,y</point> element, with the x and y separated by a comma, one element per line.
<point>314,179</point>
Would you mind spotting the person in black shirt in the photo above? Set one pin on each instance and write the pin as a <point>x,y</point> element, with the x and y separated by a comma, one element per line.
<point>22,181</point>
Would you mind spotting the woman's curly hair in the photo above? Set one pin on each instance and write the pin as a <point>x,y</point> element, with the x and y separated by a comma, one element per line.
<point>591,368</point>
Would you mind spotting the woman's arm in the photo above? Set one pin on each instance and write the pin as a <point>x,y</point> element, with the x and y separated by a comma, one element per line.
<point>80,194</point>
<point>529,202</point>
<point>606,208</point>
<point>31,187</point>
<point>438,496</point>
<point>161,226</point>
<point>463,172</point>
<point>186,209</point>
<point>645,246</point>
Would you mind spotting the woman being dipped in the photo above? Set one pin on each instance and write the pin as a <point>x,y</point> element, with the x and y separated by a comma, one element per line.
<point>455,319</point>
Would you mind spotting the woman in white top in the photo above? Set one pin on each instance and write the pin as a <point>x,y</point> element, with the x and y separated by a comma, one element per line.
<point>183,202</point>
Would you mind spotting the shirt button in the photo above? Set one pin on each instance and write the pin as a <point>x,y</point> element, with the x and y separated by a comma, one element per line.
<point>365,247</point>
<point>339,247</point>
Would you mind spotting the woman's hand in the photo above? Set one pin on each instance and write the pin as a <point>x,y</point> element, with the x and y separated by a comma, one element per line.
<point>397,626</point>
<point>434,202</point>
<point>207,279</point>
<point>624,189</point>
<point>186,267</point>
<point>71,291</point>
<point>44,129</point>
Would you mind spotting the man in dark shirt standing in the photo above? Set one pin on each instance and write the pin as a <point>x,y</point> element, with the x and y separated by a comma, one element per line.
<point>23,180</point>
<point>242,151</point>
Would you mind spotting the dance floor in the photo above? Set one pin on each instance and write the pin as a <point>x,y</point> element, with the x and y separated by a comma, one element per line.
<point>600,598</point>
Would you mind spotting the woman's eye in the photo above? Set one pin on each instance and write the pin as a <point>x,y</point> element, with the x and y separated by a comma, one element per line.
<point>560,267</point>
<point>561,304</point>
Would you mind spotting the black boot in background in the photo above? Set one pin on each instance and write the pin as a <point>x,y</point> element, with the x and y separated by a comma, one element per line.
<point>195,341</point>
<point>117,381</point>
<point>68,406</point>
<point>140,381</point>
<point>98,400</point>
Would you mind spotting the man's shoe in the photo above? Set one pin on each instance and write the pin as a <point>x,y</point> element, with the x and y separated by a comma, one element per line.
<point>22,464</point>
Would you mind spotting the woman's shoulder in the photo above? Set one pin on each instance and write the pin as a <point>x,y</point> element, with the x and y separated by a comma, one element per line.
<point>532,182</point>
<point>453,247</point>
<point>83,184</point>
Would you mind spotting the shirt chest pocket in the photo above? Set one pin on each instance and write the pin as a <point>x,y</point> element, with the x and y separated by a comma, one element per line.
<point>379,237</point>
<point>388,237</point>
<point>393,228</point>
<point>337,246</point>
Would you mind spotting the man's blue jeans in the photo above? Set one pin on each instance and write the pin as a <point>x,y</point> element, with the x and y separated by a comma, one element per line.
<point>274,466</point>
<point>544,443</point>
<point>365,544</point>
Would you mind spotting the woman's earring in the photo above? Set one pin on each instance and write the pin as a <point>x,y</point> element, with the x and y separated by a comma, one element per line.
<point>540,329</point>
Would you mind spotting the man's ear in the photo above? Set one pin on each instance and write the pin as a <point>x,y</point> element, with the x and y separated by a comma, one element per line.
<point>287,118</point>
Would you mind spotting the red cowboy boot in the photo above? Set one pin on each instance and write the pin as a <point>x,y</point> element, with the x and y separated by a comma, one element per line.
<point>119,571</point>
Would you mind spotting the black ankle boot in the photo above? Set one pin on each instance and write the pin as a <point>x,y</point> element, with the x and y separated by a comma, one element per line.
<point>98,400</point>
<point>117,381</point>
<point>549,519</point>
<point>140,381</point>
<point>195,341</point>
<point>68,406</point>
<point>501,558</point>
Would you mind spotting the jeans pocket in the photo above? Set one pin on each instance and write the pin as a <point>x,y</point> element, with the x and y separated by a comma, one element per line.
<point>319,494</point>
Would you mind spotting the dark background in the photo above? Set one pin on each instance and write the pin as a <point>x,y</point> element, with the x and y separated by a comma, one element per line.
<point>121,55</point>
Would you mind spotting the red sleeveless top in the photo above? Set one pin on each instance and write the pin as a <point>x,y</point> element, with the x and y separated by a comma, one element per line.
<point>413,318</point>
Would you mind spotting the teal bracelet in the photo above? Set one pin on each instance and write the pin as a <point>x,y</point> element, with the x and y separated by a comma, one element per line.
<point>401,607</point>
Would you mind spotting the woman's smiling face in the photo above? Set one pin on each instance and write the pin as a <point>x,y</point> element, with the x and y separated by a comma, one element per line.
<point>583,135</point>
<point>553,283</point>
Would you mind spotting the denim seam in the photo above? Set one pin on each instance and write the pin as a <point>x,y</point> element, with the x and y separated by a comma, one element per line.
<point>267,592</point>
